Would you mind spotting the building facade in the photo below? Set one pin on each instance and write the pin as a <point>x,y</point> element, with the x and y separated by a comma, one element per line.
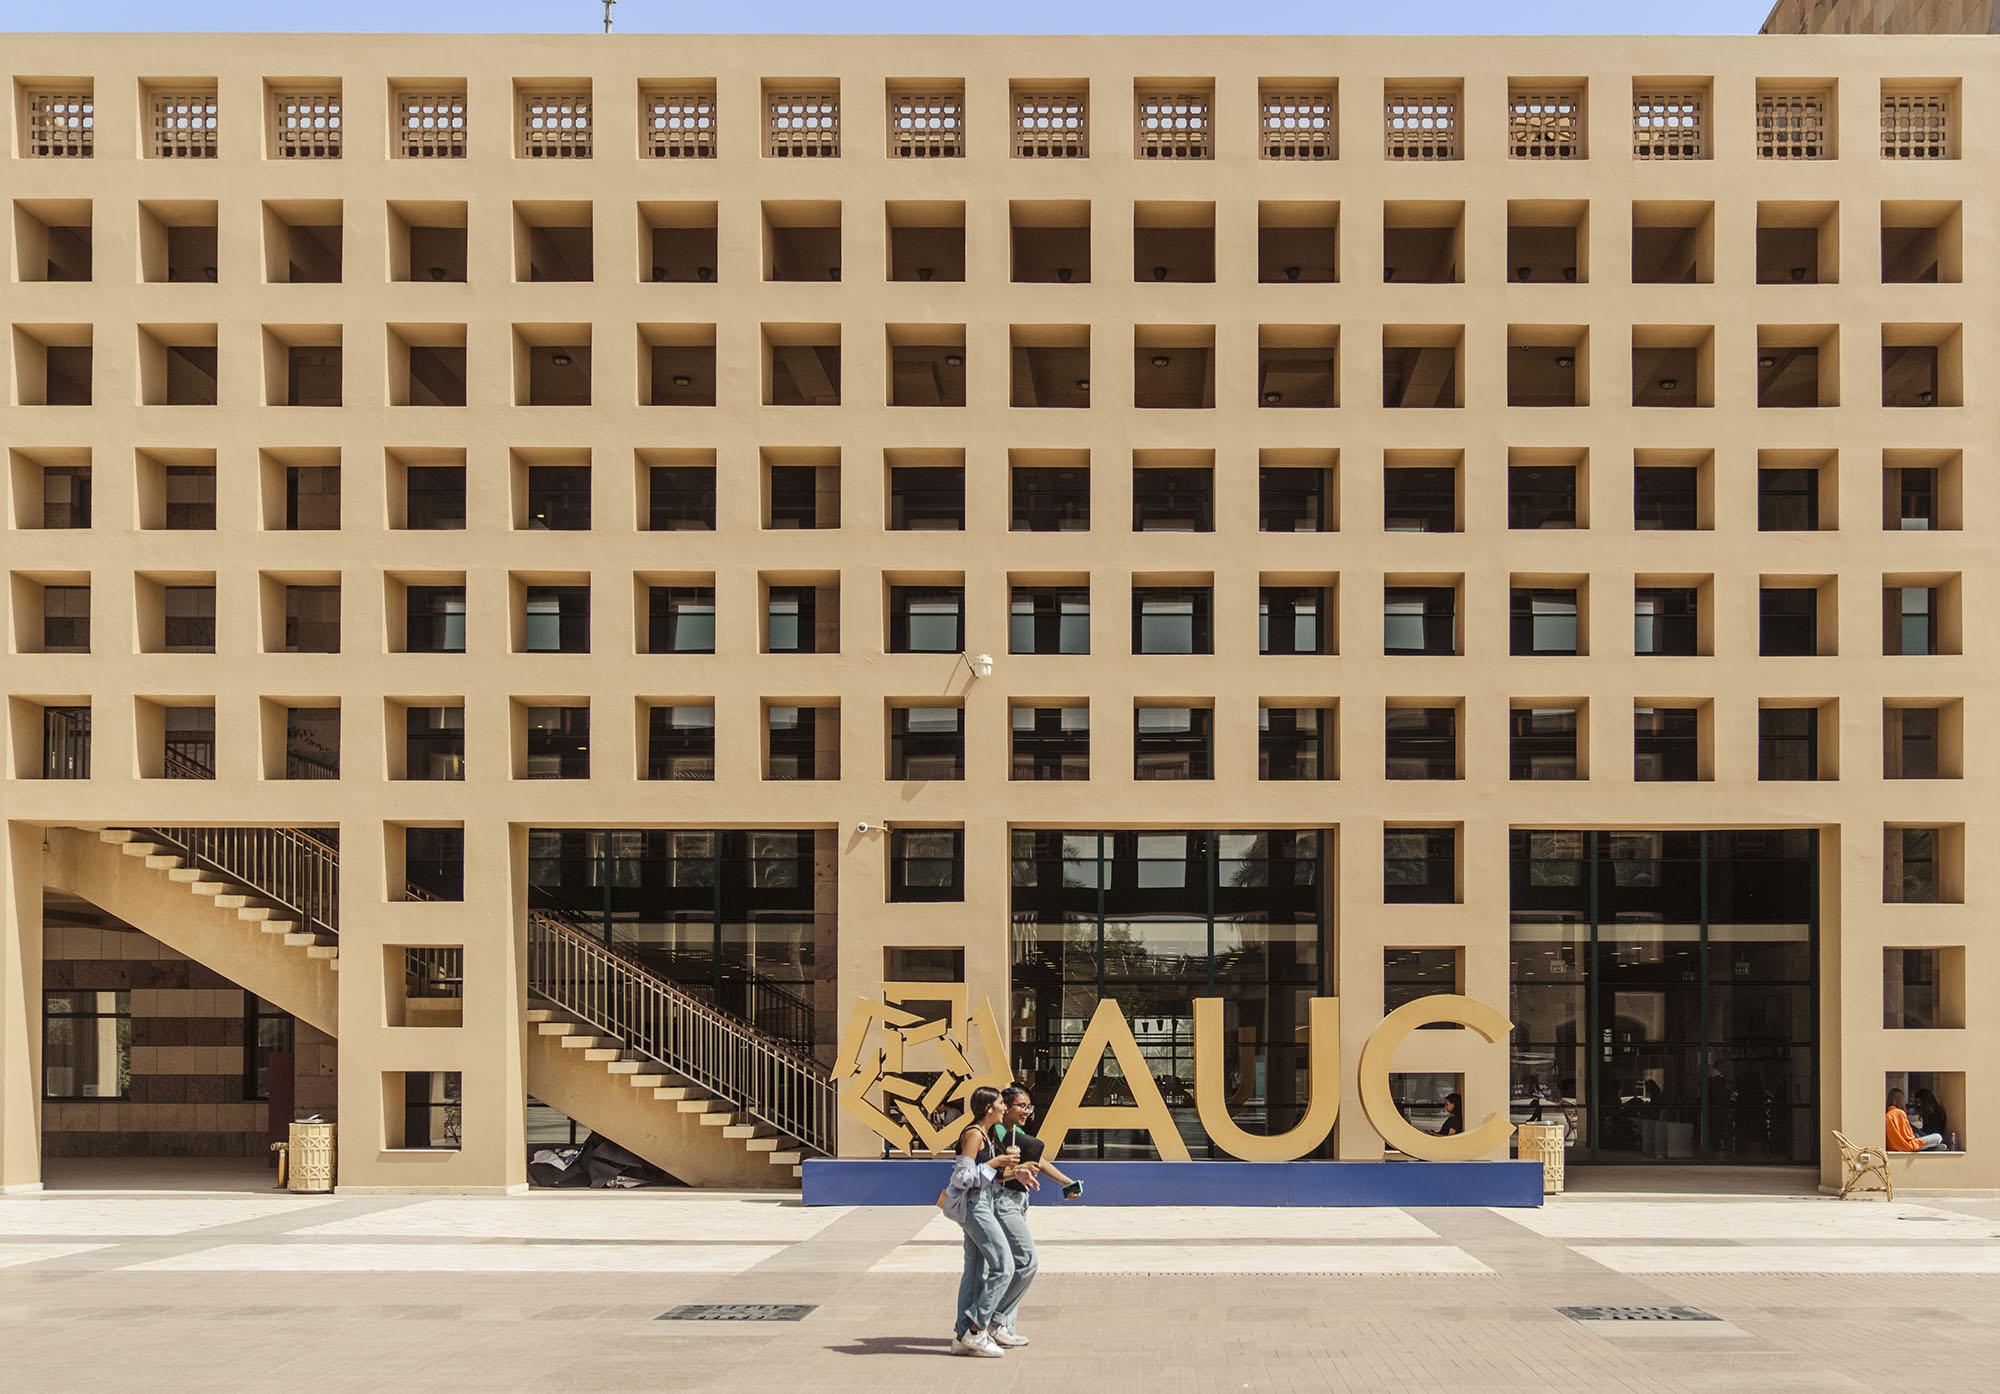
<point>1882,17</point>
<point>635,548</point>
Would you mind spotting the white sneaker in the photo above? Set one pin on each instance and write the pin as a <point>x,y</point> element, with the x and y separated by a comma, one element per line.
<point>975,1343</point>
<point>1002,1336</point>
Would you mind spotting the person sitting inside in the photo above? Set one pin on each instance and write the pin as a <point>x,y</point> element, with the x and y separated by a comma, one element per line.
<point>1932,1114</point>
<point>1454,1117</point>
<point>1896,1127</point>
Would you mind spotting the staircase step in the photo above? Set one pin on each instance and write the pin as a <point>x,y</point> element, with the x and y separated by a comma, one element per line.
<point>718,1120</point>
<point>116,835</point>
<point>625,1067</point>
<point>646,1081</point>
<point>235,901</point>
<point>334,964</point>
<point>140,849</point>
<point>586,1043</point>
<point>769,1142</point>
<point>787,1159</point>
<point>799,1171</point>
<point>254,913</point>
<point>745,1131</point>
<point>604,1055</point>
<point>696,1105</point>
<point>279,926</point>
<point>540,1014</point>
<point>210,887</point>
<point>184,874</point>
<point>679,1093</point>
<point>559,1028</point>
<point>302,940</point>
<point>330,952</point>
<point>162,861</point>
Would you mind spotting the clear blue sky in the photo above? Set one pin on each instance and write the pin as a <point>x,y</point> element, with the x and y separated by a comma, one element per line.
<point>880,17</point>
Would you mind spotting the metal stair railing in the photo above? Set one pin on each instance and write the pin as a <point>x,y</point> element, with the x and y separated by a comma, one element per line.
<point>758,1074</point>
<point>288,867</point>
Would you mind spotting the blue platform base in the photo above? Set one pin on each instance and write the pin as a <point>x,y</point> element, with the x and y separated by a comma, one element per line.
<point>836,1181</point>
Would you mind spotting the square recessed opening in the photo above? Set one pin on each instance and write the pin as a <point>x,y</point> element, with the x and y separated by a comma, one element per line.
<point>303,242</point>
<point>1548,365</point>
<point>1548,241</point>
<point>926,365</point>
<point>1548,738</point>
<point>301,488</point>
<point>552,241</point>
<point>423,1110</point>
<point>423,985</point>
<point>176,489</point>
<point>53,365</point>
<point>1923,738</point>
<point>1923,863</point>
<point>1423,241</point>
<point>1049,490</point>
<point>177,365</point>
<point>51,487</point>
<point>1923,614</point>
<point>1923,242</point>
<point>426,488</point>
<point>1298,242</point>
<point>1673,365</point>
<point>1547,488</point>
<point>1798,243</point>
<point>1673,490</point>
<point>1798,365</point>
<point>552,365</point>
<point>177,240</point>
<point>926,490</point>
<point>1423,491</point>
<point>1923,989</point>
<point>801,488</point>
<point>1173,241</point>
<point>1923,490</point>
<point>677,242</point>
<point>1173,366</point>
<point>1049,365</point>
<point>926,240</point>
<point>675,490</point>
<point>1934,1104</point>
<point>798,612</point>
<point>427,365</point>
<point>1298,365</point>
<point>427,241</point>
<point>301,737</point>
<point>302,365</point>
<point>677,365</point>
<point>1422,365</point>
<point>1050,240</point>
<point>52,239</point>
<point>1923,365</point>
<point>802,365</point>
<point>802,240</point>
<point>1298,490</point>
<point>1673,243</point>
<point>1798,738</point>
<point>1422,865</point>
<point>1798,490</point>
<point>802,738</point>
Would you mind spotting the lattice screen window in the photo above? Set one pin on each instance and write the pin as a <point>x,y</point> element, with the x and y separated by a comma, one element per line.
<point>1545,126</point>
<point>1174,125</point>
<point>1297,125</point>
<point>1421,125</point>
<point>802,125</point>
<point>556,125</point>
<point>184,126</point>
<point>1669,126</point>
<point>927,124</point>
<point>61,125</point>
<point>1051,125</point>
<point>1792,126</point>
<point>1916,125</point>
<point>307,125</point>
<point>679,125</point>
<point>430,125</point>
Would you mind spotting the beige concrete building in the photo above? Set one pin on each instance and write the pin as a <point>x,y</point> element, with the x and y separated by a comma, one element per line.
<point>1882,17</point>
<point>625,548</point>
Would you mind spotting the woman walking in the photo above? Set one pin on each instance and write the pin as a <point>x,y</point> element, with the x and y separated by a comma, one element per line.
<point>968,1199</point>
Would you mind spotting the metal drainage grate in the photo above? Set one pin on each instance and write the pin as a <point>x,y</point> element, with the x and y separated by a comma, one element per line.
<point>1637,1314</point>
<point>736,1311</point>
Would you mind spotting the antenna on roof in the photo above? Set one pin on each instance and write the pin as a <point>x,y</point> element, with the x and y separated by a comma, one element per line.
<point>607,14</point>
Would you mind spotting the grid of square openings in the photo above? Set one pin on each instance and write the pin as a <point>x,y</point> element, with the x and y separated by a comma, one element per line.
<point>1421,125</point>
<point>679,125</point>
<point>430,125</point>
<point>1050,124</point>
<point>801,125</point>
<point>1669,126</point>
<point>1793,126</point>
<point>1545,125</point>
<point>1916,125</point>
<point>306,125</point>
<point>61,125</point>
<point>1173,126</point>
<point>556,125</point>
<point>184,125</point>
<point>927,124</point>
<point>1297,125</point>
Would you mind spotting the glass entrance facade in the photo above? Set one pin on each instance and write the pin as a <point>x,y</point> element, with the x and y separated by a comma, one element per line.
<point>727,913</point>
<point>1153,919</point>
<point>1665,992</point>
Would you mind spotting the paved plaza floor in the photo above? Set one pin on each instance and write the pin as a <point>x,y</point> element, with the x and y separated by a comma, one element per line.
<point>210,1284</point>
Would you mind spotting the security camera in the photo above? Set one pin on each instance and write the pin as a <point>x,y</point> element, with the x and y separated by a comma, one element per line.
<point>864,828</point>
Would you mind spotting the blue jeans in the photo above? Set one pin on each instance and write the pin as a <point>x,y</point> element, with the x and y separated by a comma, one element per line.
<point>989,1265</point>
<point>1010,1208</point>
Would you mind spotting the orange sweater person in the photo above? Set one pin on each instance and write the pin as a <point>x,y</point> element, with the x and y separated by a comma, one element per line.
<point>1896,1129</point>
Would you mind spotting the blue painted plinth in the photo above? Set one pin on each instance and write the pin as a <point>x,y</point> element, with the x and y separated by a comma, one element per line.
<point>837,1181</point>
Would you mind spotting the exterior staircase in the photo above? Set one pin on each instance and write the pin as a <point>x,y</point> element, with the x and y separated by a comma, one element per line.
<point>701,1094</point>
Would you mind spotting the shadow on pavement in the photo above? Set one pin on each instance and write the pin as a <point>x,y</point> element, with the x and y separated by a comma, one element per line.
<point>895,1345</point>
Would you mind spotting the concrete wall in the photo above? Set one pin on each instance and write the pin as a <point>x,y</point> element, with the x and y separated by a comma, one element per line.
<point>1883,17</point>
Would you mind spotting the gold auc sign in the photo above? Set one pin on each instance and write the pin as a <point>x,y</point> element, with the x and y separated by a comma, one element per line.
<point>901,1111</point>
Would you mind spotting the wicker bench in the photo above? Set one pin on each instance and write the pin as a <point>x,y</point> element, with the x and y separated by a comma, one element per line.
<point>1857,1164</point>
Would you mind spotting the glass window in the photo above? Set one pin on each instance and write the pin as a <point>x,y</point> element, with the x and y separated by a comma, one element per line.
<point>680,742</point>
<point>1666,743</point>
<point>1913,499</point>
<point>1420,499</point>
<point>1420,743</point>
<point>1171,620</point>
<point>790,619</point>
<point>435,497</point>
<point>1787,743</point>
<point>1666,498</point>
<point>312,497</point>
<point>1049,619</point>
<point>1542,742</point>
<point>1409,975</point>
<point>432,1111</point>
<point>66,496</point>
<point>1172,743</point>
<point>558,743</point>
<point>1910,866</point>
<point>557,620</point>
<point>926,619</point>
<point>436,619</point>
<point>680,619</point>
<point>1910,742</point>
<point>1294,499</point>
<point>1543,621</point>
<point>926,864</point>
<point>926,743</point>
<point>927,498</point>
<point>559,498</point>
<point>434,861</point>
<point>1541,496</point>
<point>1051,743</point>
<point>1419,866</point>
<point>680,498</point>
<point>87,1044</point>
<point>312,619</point>
<point>1291,620</point>
<point>1173,500</point>
<point>1294,742</point>
<point>268,1031</point>
<point>1788,621</point>
<point>1788,500</point>
<point>1420,620</point>
<point>190,619</point>
<point>434,742</point>
<point>1910,620</point>
<point>1051,499</point>
<point>66,619</point>
<point>1666,620</point>
<point>1912,989</point>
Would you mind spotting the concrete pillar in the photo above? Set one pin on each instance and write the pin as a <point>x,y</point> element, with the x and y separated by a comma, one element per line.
<point>21,1009</point>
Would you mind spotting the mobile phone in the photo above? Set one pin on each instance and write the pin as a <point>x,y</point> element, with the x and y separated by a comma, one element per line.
<point>1072,1190</point>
